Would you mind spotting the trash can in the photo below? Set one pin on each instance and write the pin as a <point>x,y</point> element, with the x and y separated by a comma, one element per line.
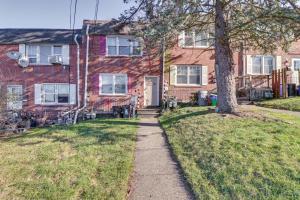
<point>298,91</point>
<point>291,90</point>
<point>214,99</point>
<point>202,98</point>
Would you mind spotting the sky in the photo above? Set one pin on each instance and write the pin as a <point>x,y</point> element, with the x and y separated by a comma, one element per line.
<point>54,13</point>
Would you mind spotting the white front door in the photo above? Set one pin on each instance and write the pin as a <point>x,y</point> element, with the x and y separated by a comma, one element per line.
<point>151,91</point>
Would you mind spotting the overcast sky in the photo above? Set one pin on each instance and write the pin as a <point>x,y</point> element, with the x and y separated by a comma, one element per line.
<point>54,13</point>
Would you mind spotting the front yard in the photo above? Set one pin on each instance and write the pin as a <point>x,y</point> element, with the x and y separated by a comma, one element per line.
<point>292,104</point>
<point>252,156</point>
<point>91,160</point>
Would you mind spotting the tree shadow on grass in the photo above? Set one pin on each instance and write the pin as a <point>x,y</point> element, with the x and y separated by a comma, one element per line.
<point>101,131</point>
<point>176,118</point>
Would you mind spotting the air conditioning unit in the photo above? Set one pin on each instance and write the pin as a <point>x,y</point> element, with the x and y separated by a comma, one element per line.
<point>23,62</point>
<point>56,60</point>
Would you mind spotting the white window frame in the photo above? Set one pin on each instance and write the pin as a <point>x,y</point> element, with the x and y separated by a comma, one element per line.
<point>262,64</point>
<point>113,88</point>
<point>194,40</point>
<point>188,75</point>
<point>19,101</point>
<point>55,93</point>
<point>38,55</point>
<point>117,45</point>
<point>293,66</point>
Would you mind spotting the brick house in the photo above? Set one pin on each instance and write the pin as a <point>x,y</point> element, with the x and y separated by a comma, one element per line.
<point>119,67</point>
<point>114,66</point>
<point>41,87</point>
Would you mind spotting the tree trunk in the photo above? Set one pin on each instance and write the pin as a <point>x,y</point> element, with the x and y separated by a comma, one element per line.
<point>224,64</point>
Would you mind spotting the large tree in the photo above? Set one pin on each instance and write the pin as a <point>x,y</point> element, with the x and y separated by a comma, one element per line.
<point>259,24</point>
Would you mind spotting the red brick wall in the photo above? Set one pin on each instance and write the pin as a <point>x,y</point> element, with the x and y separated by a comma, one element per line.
<point>11,73</point>
<point>135,68</point>
<point>194,56</point>
<point>292,52</point>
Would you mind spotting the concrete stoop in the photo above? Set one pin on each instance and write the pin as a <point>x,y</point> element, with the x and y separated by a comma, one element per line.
<point>148,112</point>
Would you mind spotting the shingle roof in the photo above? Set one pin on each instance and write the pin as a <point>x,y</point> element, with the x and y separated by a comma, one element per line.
<point>107,27</point>
<point>17,36</point>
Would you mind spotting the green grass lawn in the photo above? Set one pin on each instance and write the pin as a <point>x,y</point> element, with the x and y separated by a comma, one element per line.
<point>292,104</point>
<point>90,160</point>
<point>253,156</point>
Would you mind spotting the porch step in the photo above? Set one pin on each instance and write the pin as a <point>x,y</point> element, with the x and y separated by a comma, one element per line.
<point>148,112</point>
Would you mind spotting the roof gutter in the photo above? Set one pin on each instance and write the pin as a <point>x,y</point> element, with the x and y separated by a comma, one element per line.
<point>85,74</point>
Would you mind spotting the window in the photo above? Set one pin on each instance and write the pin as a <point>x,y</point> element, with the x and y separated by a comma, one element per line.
<point>40,54</point>
<point>123,46</point>
<point>296,64</point>
<point>55,93</point>
<point>189,74</point>
<point>262,64</point>
<point>14,97</point>
<point>113,84</point>
<point>32,53</point>
<point>197,39</point>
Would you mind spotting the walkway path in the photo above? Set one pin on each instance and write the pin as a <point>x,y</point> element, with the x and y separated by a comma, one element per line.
<point>295,113</point>
<point>156,175</point>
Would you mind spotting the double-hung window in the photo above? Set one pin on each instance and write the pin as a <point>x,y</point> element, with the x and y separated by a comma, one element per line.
<point>197,39</point>
<point>188,75</point>
<point>41,54</point>
<point>123,46</point>
<point>55,93</point>
<point>263,64</point>
<point>32,53</point>
<point>113,84</point>
<point>14,97</point>
<point>296,64</point>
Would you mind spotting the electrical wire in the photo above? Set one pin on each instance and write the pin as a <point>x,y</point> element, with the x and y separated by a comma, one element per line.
<point>70,13</point>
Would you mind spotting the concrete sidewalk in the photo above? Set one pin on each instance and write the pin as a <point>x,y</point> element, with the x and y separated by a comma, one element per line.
<point>156,175</point>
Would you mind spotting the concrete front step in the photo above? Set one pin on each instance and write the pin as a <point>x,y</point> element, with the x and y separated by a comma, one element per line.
<point>148,112</point>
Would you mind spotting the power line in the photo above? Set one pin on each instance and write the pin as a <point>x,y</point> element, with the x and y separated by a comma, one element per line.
<point>70,13</point>
<point>96,10</point>
<point>74,16</point>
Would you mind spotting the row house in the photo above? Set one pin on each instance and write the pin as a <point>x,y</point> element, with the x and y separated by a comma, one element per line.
<point>103,65</point>
<point>39,86</point>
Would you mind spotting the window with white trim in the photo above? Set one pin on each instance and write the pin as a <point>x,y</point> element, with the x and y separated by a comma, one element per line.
<point>123,46</point>
<point>55,93</point>
<point>113,84</point>
<point>14,97</point>
<point>263,64</point>
<point>188,75</point>
<point>40,54</point>
<point>296,64</point>
<point>197,39</point>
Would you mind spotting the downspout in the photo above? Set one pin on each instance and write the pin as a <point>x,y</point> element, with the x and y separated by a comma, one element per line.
<point>85,75</point>
<point>86,64</point>
<point>163,69</point>
<point>78,71</point>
